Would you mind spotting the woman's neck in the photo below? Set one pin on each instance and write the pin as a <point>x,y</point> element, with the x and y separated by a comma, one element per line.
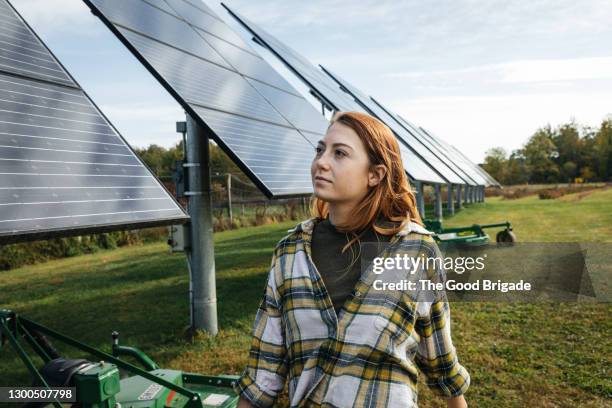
<point>340,214</point>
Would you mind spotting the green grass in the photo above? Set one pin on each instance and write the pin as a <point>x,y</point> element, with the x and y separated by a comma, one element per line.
<point>566,219</point>
<point>518,355</point>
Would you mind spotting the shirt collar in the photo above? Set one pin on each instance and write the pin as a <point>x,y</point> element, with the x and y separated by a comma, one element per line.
<point>309,224</point>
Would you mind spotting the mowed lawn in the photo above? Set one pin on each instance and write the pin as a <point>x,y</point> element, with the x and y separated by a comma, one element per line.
<point>518,355</point>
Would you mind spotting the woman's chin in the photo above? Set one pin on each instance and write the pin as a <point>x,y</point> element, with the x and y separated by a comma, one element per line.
<point>323,195</point>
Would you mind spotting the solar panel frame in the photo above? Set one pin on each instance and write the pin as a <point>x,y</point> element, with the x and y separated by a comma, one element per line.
<point>19,199</point>
<point>331,96</point>
<point>302,136</point>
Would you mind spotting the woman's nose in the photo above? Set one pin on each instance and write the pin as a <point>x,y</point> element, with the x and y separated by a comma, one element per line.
<point>322,161</point>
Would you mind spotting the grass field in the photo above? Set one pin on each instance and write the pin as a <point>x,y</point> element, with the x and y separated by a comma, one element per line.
<point>518,355</point>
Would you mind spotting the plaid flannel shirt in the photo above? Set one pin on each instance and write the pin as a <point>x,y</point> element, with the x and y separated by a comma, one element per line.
<point>366,356</point>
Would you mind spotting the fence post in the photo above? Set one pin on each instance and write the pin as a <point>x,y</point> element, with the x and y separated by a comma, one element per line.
<point>420,199</point>
<point>229,197</point>
<point>438,203</point>
<point>450,199</point>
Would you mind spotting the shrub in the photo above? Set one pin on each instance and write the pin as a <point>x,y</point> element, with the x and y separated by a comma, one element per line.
<point>550,194</point>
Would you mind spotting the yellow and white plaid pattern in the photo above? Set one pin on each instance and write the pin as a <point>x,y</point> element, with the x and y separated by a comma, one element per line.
<point>368,355</point>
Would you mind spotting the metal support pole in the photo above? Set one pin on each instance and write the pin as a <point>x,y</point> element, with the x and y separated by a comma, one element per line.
<point>482,197</point>
<point>201,254</point>
<point>466,196</point>
<point>450,199</point>
<point>229,197</point>
<point>420,199</point>
<point>459,202</point>
<point>438,203</point>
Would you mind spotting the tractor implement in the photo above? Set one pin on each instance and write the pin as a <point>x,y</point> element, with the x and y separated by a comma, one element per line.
<point>99,384</point>
<point>473,235</point>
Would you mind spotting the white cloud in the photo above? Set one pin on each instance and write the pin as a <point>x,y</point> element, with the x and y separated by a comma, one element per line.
<point>557,70</point>
<point>537,70</point>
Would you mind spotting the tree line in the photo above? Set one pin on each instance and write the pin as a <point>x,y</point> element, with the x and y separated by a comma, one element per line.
<point>568,153</point>
<point>161,160</point>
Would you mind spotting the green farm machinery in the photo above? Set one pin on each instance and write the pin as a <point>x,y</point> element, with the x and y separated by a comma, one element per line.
<point>110,381</point>
<point>473,235</point>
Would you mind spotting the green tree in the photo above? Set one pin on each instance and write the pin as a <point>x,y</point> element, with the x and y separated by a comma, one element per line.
<point>540,154</point>
<point>495,163</point>
<point>603,150</point>
<point>569,169</point>
<point>567,141</point>
<point>517,171</point>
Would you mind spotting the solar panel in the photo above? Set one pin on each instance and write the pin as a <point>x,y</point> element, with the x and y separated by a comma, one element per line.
<point>266,126</point>
<point>331,95</point>
<point>64,169</point>
<point>488,180</point>
<point>449,157</point>
<point>410,139</point>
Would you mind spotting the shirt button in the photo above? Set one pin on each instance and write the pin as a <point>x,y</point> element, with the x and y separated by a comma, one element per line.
<point>357,294</point>
<point>380,322</point>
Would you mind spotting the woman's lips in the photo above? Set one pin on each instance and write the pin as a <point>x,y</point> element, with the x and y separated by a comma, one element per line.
<point>318,178</point>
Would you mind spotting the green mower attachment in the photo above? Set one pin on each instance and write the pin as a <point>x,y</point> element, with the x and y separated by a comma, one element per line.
<point>473,235</point>
<point>99,384</point>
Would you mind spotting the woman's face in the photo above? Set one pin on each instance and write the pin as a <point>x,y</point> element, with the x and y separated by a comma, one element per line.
<point>340,169</point>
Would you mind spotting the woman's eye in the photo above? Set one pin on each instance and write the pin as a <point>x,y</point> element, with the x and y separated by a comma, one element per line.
<point>318,150</point>
<point>340,153</point>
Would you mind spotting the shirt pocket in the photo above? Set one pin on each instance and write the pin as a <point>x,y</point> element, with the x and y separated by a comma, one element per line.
<point>395,321</point>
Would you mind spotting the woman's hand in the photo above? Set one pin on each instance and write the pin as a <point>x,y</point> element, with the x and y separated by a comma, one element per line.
<point>244,403</point>
<point>456,402</point>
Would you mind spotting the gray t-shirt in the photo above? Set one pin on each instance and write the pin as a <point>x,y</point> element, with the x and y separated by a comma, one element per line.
<point>340,271</point>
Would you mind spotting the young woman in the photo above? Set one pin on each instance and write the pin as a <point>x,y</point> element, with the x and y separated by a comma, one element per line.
<point>322,324</point>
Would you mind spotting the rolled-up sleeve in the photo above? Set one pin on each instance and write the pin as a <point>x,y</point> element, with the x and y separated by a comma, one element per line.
<point>436,355</point>
<point>264,377</point>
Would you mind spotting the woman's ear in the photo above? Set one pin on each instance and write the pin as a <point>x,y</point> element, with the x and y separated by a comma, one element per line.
<point>376,174</point>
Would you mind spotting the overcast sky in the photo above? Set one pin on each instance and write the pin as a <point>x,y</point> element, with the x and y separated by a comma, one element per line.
<point>479,74</point>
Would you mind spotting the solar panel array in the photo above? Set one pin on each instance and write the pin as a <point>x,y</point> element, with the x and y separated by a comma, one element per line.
<point>489,181</point>
<point>445,161</point>
<point>449,156</point>
<point>266,126</point>
<point>63,168</point>
<point>332,96</point>
<point>404,134</point>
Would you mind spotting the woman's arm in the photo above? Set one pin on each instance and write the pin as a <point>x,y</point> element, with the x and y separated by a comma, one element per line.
<point>455,402</point>
<point>436,355</point>
<point>244,403</point>
<point>264,377</point>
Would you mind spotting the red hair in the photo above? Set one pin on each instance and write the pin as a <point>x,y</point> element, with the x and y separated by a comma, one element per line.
<point>392,198</point>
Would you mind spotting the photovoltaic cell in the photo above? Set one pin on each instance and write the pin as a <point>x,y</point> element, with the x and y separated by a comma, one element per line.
<point>21,52</point>
<point>316,80</point>
<point>64,170</point>
<point>254,114</point>
<point>331,94</point>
